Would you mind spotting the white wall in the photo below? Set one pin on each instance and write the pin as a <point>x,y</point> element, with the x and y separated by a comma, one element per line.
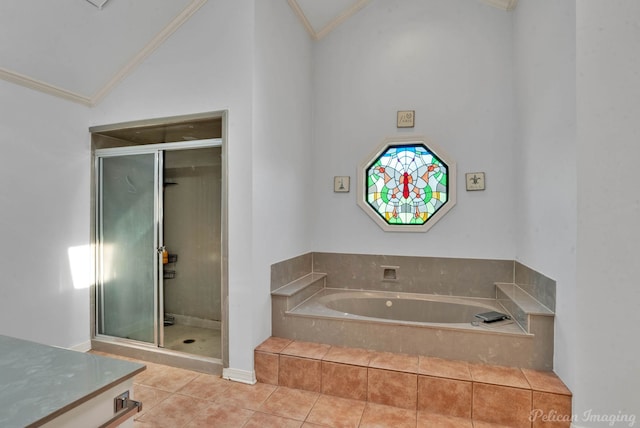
<point>544,60</point>
<point>253,58</point>
<point>281,148</point>
<point>450,61</point>
<point>211,63</point>
<point>207,65</point>
<point>608,133</point>
<point>44,211</point>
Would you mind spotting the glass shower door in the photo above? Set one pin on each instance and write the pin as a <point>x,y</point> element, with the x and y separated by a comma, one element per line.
<point>127,246</point>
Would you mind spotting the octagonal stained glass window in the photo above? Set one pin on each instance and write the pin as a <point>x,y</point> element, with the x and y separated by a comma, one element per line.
<point>406,185</point>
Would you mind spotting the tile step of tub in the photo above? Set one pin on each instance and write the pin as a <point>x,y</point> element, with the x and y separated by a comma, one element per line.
<point>490,393</point>
<point>525,309</point>
<point>527,303</point>
<point>299,284</point>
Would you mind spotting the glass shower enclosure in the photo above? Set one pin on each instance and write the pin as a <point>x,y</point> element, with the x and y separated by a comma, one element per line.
<point>127,234</point>
<point>130,240</point>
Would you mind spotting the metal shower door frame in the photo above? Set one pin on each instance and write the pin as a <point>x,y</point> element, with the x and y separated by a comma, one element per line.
<point>158,151</point>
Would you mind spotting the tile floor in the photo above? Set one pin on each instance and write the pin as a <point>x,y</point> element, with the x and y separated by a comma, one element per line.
<point>174,397</point>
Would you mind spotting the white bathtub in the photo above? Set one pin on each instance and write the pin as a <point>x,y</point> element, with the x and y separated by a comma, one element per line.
<point>403,308</point>
<point>421,324</point>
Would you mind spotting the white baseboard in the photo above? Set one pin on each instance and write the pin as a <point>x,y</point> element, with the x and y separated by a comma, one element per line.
<point>82,347</point>
<point>242,376</point>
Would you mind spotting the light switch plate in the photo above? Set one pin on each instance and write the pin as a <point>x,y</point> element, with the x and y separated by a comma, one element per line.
<point>341,183</point>
<point>475,180</point>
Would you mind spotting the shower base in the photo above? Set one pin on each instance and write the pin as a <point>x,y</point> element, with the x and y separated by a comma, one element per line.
<point>193,340</point>
<point>203,354</point>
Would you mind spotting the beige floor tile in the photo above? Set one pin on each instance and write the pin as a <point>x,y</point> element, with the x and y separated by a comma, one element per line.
<point>483,424</point>
<point>300,373</point>
<point>444,368</point>
<point>392,388</point>
<point>289,403</point>
<point>306,350</point>
<point>353,356</point>
<point>545,382</point>
<point>220,416</point>
<point>379,416</point>
<point>175,411</point>
<point>266,366</point>
<point>502,405</point>
<point>273,344</point>
<point>174,397</point>
<point>139,424</point>
<point>344,380</point>
<point>152,369</point>
<point>434,420</point>
<point>149,397</point>
<point>445,396</point>
<point>244,396</point>
<point>499,375</point>
<point>551,410</point>
<point>206,387</point>
<point>263,420</point>
<point>336,412</point>
<point>396,362</point>
<point>167,378</point>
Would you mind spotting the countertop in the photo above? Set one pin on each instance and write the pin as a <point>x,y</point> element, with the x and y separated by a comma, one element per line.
<point>40,382</point>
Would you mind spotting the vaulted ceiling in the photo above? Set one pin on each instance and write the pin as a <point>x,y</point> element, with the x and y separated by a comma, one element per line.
<point>81,49</point>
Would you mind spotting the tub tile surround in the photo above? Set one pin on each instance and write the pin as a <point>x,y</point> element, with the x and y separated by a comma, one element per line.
<point>442,392</point>
<point>527,343</point>
<point>287,271</point>
<point>541,287</point>
<point>433,275</point>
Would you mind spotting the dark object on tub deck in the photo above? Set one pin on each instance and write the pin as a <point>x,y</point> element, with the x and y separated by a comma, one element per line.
<point>492,316</point>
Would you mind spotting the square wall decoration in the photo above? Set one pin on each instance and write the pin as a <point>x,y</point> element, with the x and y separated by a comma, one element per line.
<point>341,183</point>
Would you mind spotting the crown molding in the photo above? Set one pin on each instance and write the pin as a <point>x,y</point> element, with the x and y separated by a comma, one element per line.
<point>148,49</point>
<point>346,14</point>
<point>98,3</point>
<point>38,85</point>
<point>507,5</point>
<point>303,18</point>
<point>93,100</point>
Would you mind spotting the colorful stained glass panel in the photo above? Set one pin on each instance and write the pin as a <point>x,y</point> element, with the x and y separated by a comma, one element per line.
<point>406,184</point>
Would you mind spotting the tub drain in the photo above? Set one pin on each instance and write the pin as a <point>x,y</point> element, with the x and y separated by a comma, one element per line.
<point>188,341</point>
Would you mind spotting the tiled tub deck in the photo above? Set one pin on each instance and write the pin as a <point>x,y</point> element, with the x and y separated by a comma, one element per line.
<point>501,395</point>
